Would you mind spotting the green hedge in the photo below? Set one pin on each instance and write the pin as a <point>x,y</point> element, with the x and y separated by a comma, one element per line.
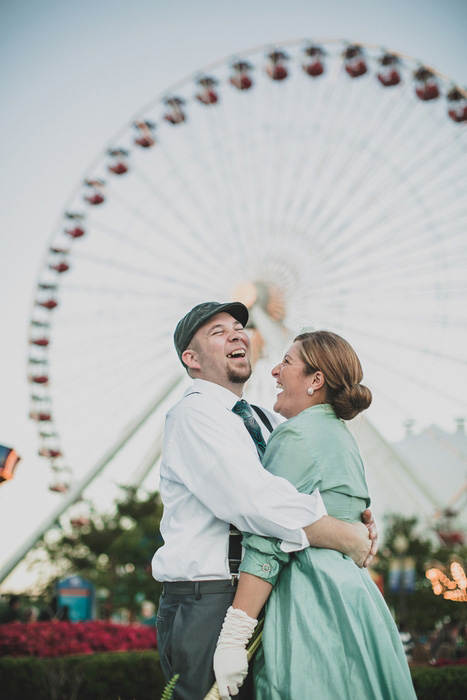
<point>127,675</point>
<point>441,683</point>
<point>137,676</point>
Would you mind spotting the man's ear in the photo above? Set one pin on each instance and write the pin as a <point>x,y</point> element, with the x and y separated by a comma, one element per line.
<point>190,358</point>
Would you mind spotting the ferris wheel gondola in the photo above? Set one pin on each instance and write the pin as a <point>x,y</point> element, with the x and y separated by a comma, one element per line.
<point>325,176</point>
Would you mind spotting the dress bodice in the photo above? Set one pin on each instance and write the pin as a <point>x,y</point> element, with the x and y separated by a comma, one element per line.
<point>316,450</point>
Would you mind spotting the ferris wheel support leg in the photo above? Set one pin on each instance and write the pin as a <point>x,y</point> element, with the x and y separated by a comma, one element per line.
<point>76,492</point>
<point>149,460</point>
<point>371,441</point>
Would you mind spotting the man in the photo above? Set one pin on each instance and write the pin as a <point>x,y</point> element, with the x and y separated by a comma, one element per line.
<point>211,477</point>
<point>11,614</point>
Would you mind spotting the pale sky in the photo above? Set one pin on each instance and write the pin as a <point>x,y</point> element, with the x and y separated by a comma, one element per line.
<point>75,73</point>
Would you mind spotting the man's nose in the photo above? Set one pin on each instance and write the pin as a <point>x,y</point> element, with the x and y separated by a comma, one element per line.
<point>236,334</point>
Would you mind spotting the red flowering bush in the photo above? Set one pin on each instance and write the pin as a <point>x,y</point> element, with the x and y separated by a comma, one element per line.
<point>449,662</point>
<point>65,638</point>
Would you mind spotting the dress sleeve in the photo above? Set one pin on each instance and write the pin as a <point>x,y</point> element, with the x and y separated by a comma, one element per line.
<point>287,455</point>
<point>263,557</point>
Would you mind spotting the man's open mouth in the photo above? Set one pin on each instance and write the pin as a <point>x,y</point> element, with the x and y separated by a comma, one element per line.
<point>237,353</point>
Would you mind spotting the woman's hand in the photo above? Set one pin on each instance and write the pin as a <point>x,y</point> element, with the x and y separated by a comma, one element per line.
<point>230,658</point>
<point>230,668</point>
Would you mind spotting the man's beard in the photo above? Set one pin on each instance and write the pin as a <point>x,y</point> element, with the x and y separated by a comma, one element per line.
<point>236,376</point>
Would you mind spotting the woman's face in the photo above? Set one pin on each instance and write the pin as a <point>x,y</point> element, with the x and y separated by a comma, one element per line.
<point>293,383</point>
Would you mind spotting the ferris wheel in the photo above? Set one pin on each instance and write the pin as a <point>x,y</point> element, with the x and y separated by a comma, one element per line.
<point>321,183</point>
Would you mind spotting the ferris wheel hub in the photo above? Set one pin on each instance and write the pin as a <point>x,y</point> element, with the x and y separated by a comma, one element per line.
<point>261,294</point>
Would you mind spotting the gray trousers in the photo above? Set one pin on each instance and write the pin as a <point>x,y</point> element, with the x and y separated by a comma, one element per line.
<point>188,626</point>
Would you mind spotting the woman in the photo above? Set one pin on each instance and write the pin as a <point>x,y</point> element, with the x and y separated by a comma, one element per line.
<point>328,633</point>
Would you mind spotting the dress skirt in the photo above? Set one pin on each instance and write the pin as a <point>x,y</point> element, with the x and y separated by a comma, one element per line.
<point>329,635</point>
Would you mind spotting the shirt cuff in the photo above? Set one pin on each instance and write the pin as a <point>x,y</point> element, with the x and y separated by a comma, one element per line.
<point>320,510</point>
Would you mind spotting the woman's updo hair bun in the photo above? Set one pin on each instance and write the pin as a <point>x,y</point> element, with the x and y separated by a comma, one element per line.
<point>338,361</point>
<point>350,401</point>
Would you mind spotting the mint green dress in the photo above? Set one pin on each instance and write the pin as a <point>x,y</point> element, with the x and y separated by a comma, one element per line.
<point>328,633</point>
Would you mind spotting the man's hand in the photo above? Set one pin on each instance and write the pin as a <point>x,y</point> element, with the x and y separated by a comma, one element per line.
<point>368,520</point>
<point>359,544</point>
<point>352,539</point>
<point>359,541</point>
<point>366,550</point>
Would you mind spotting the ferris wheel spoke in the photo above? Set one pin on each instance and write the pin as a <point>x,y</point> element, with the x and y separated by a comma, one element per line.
<point>176,259</point>
<point>116,341</point>
<point>426,386</point>
<point>401,267</point>
<point>159,234</point>
<point>383,127</point>
<point>424,321</point>
<point>429,174</point>
<point>382,391</point>
<point>173,259</point>
<point>223,140</point>
<point>373,200</point>
<point>166,280</point>
<point>289,100</point>
<point>404,295</point>
<point>351,171</point>
<point>388,223</point>
<point>316,174</point>
<point>300,198</point>
<point>354,222</point>
<point>187,244</point>
<point>326,165</point>
<point>406,278</point>
<point>403,260</point>
<point>415,348</point>
<point>206,224</point>
<point>209,168</point>
<point>117,371</point>
<point>419,382</point>
<point>107,261</point>
<point>354,167</point>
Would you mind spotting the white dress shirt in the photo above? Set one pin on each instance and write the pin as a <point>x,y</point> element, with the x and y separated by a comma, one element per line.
<point>210,477</point>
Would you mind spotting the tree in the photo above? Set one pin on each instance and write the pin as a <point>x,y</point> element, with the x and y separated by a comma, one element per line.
<point>422,609</point>
<point>114,551</point>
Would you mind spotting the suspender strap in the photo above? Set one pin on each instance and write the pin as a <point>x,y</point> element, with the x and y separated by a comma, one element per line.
<point>263,417</point>
<point>235,551</point>
<point>235,536</point>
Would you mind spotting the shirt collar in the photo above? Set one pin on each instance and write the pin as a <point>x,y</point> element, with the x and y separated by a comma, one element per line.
<point>225,396</point>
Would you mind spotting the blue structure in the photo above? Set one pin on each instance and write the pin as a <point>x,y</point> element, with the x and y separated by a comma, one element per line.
<point>76,596</point>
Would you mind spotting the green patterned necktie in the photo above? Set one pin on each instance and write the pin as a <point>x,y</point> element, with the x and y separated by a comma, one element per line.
<point>243,409</point>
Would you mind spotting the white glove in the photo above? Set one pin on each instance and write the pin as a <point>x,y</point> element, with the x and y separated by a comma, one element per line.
<point>230,658</point>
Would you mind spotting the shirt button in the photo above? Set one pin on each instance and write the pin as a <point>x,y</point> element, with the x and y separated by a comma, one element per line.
<point>266,568</point>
